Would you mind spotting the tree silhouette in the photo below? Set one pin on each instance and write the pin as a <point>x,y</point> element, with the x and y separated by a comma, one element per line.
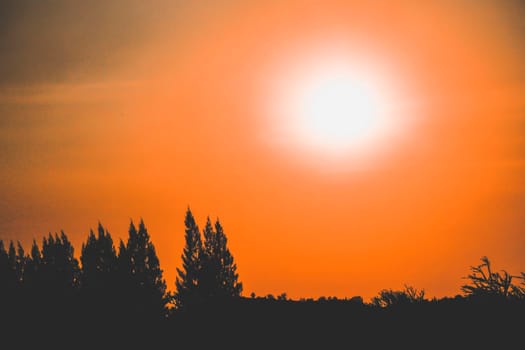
<point>209,280</point>
<point>60,269</point>
<point>99,260</point>
<point>33,267</point>
<point>4,267</point>
<point>519,291</point>
<point>188,280</point>
<point>142,275</point>
<point>20,263</point>
<point>485,283</point>
<point>99,278</point>
<point>13,278</point>
<point>388,297</point>
<point>226,278</point>
<point>208,269</point>
<point>125,294</point>
<point>7,271</point>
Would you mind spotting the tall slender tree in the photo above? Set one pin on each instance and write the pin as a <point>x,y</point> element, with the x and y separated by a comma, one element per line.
<point>210,263</point>
<point>229,284</point>
<point>188,280</point>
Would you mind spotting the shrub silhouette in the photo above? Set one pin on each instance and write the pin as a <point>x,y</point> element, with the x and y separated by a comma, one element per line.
<point>388,297</point>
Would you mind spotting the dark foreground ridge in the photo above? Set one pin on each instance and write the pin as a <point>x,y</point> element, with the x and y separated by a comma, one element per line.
<point>281,324</point>
<point>110,299</point>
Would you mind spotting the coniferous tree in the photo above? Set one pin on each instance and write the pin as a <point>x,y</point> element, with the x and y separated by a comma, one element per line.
<point>219,276</point>
<point>209,277</point>
<point>101,294</point>
<point>12,281</point>
<point>4,261</point>
<point>32,271</point>
<point>141,273</point>
<point>123,263</point>
<point>9,285</point>
<point>99,260</point>
<point>3,254</point>
<point>187,283</point>
<point>58,280</point>
<point>6,272</point>
<point>21,261</point>
<point>229,285</point>
<point>150,272</point>
<point>29,276</point>
<point>60,269</point>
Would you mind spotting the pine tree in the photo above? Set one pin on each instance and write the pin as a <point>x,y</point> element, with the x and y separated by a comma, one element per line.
<point>12,259</point>
<point>140,270</point>
<point>10,284</point>
<point>32,271</point>
<point>99,278</point>
<point>210,263</point>
<point>6,272</point>
<point>151,274</point>
<point>229,285</point>
<point>20,263</point>
<point>99,260</point>
<point>60,267</point>
<point>123,263</point>
<point>187,282</point>
<point>4,260</point>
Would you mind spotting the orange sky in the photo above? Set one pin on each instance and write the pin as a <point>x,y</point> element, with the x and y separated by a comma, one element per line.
<point>110,113</point>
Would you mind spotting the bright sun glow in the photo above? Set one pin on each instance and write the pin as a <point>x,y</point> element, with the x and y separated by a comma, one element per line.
<point>335,106</point>
<point>339,109</point>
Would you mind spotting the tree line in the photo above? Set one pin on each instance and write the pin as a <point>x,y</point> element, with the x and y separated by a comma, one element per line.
<point>126,282</point>
<point>115,295</point>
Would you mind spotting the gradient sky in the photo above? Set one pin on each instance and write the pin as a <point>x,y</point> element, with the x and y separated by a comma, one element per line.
<point>111,110</point>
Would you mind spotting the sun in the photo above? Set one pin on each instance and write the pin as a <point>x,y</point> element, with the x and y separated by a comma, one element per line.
<point>338,109</point>
<point>336,106</point>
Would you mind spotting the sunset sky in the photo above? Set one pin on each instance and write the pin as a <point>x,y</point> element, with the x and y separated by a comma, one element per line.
<point>117,110</point>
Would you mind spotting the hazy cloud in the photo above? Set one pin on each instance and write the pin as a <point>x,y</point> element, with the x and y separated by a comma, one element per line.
<point>55,40</point>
